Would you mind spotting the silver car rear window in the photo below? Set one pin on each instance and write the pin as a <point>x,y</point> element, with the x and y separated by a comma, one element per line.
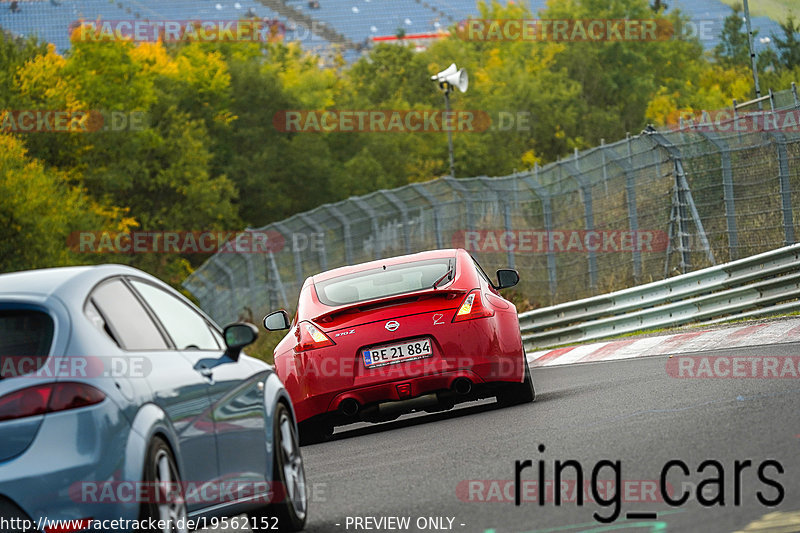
<point>381,282</point>
<point>25,336</point>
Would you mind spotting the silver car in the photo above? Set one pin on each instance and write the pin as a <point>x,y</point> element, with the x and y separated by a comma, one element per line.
<point>121,401</point>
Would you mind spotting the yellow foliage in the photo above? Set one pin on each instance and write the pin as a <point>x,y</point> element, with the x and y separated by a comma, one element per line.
<point>114,218</point>
<point>41,80</point>
<point>529,158</point>
<point>154,58</point>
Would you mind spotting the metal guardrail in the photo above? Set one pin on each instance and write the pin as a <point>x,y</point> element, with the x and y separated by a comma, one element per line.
<point>755,286</point>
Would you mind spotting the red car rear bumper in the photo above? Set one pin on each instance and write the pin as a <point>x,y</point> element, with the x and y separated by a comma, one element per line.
<point>419,381</point>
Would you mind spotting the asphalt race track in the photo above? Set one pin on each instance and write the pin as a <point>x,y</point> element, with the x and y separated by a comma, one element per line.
<point>439,466</point>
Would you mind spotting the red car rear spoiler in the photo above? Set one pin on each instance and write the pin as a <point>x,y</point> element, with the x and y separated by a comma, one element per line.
<point>366,305</point>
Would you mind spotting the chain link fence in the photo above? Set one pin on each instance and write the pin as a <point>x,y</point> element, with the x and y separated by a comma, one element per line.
<point>661,203</point>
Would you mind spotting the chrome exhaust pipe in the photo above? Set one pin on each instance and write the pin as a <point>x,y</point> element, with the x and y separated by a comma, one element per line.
<point>349,407</point>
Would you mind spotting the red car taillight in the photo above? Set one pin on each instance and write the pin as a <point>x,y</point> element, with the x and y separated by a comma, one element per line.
<point>472,307</point>
<point>48,398</point>
<point>309,337</point>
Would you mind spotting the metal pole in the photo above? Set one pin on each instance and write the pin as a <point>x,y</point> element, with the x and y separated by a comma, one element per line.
<point>753,56</point>
<point>588,219</point>
<point>785,187</point>
<point>633,217</point>
<point>449,130</point>
<point>605,168</point>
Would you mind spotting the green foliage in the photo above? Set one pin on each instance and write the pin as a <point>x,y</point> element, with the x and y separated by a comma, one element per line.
<point>733,49</point>
<point>788,45</point>
<point>38,212</point>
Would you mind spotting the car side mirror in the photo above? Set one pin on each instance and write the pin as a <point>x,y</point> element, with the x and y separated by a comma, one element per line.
<point>237,336</point>
<point>277,321</point>
<point>507,277</point>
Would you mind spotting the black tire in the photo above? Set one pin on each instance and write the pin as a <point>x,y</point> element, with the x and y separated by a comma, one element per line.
<point>518,393</point>
<point>314,431</point>
<point>161,477</point>
<point>288,476</point>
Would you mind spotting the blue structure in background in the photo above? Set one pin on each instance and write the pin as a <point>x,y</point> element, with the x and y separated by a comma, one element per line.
<point>356,21</point>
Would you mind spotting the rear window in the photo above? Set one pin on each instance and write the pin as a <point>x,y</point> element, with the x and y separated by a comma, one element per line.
<point>24,334</point>
<point>385,281</point>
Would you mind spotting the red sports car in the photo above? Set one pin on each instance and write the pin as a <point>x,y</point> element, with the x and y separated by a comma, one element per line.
<point>419,332</point>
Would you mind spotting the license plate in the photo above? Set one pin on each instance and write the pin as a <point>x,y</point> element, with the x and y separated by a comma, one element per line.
<point>396,353</point>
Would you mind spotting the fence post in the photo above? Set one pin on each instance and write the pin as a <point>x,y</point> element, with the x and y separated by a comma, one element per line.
<point>547,213</point>
<point>277,281</point>
<point>727,193</point>
<point>588,216</point>
<point>348,244</point>
<point>437,224</point>
<point>684,195</point>
<point>298,263</point>
<point>630,195</point>
<point>395,201</point>
<point>377,245</point>
<point>465,194</point>
<point>323,256</point>
<point>231,293</point>
<point>604,165</point>
<point>633,216</point>
<point>786,193</point>
<point>251,278</point>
